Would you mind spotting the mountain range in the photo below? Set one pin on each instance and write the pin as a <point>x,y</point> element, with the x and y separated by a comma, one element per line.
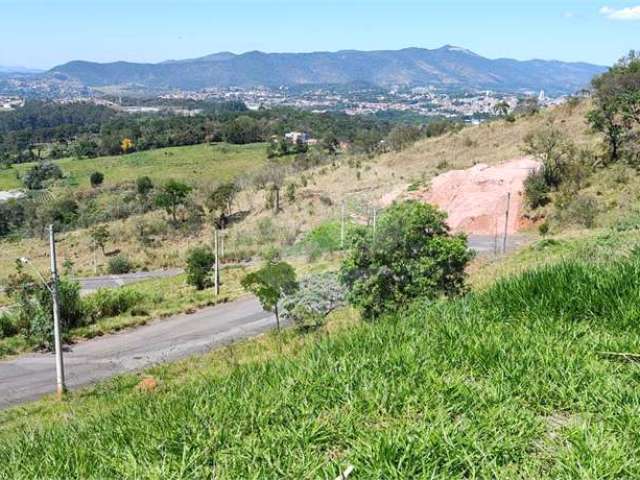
<point>448,68</point>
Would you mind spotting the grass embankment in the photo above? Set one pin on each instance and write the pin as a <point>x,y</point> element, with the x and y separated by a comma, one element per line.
<point>511,382</point>
<point>201,164</point>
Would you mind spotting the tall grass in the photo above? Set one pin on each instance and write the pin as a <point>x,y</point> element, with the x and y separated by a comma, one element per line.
<point>507,383</point>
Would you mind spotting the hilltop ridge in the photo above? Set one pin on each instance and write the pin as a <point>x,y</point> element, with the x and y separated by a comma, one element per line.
<point>448,67</point>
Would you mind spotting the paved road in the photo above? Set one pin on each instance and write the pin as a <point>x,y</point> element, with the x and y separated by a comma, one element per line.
<point>31,376</point>
<point>487,243</point>
<point>90,284</point>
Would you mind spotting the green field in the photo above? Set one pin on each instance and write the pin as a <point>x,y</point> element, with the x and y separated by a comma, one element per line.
<point>198,164</point>
<point>512,382</point>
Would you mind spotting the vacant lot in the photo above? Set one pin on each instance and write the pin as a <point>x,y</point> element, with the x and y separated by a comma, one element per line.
<point>197,164</point>
<point>517,381</point>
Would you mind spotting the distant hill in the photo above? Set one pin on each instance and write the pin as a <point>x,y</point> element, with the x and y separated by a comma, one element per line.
<point>17,69</point>
<point>448,67</point>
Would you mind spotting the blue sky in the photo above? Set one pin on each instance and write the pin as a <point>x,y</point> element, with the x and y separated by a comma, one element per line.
<point>44,33</point>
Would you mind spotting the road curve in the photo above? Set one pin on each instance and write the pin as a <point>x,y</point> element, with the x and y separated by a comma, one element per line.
<point>29,377</point>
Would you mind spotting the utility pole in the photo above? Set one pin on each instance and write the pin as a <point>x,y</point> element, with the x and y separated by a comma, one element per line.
<point>506,224</point>
<point>375,222</point>
<point>217,265</point>
<point>495,235</point>
<point>95,258</point>
<point>60,386</point>
<point>342,226</point>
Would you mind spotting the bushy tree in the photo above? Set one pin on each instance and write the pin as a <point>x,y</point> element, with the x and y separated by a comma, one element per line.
<point>242,130</point>
<point>40,173</point>
<point>317,296</point>
<point>554,149</point>
<point>616,111</point>
<point>403,136</point>
<point>171,196</point>
<point>144,185</point>
<point>220,202</point>
<point>412,255</point>
<point>99,236</point>
<point>536,190</point>
<point>200,261</point>
<point>96,179</point>
<point>270,284</point>
<point>119,265</point>
<point>34,315</point>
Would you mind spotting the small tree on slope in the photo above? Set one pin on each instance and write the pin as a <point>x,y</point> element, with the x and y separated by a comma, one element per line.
<point>412,255</point>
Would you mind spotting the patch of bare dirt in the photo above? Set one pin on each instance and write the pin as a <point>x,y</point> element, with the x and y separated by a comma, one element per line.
<point>476,199</point>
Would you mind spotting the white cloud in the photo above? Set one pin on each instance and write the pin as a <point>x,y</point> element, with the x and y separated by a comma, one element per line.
<point>629,13</point>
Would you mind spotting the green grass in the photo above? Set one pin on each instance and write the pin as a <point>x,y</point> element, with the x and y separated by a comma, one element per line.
<point>507,383</point>
<point>599,246</point>
<point>202,163</point>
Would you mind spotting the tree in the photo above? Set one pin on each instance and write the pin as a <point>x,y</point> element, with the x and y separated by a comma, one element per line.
<point>40,173</point>
<point>527,106</point>
<point>501,108</point>
<point>331,144</point>
<point>410,256</point>
<point>536,190</point>
<point>270,283</point>
<point>220,201</point>
<point>144,185</point>
<point>616,110</point>
<point>241,130</point>
<point>317,296</point>
<point>554,149</point>
<point>99,235</point>
<point>271,179</point>
<point>96,179</point>
<point>126,145</point>
<point>171,196</point>
<point>291,192</point>
<point>402,136</point>
<point>200,260</point>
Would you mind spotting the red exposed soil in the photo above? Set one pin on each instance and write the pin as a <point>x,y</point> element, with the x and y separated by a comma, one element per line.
<point>476,199</point>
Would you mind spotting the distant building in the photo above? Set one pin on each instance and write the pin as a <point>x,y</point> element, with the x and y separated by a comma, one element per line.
<point>297,137</point>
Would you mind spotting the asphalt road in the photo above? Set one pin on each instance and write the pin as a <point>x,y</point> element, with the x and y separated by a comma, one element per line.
<point>29,377</point>
<point>487,243</point>
<point>90,284</point>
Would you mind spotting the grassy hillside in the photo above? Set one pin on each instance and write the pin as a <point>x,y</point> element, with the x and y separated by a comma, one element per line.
<point>512,382</point>
<point>199,164</point>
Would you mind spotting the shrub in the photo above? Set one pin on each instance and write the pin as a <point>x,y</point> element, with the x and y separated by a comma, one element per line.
<point>536,190</point>
<point>96,179</point>
<point>200,261</point>
<point>412,256</point>
<point>144,185</point>
<point>35,178</point>
<point>34,316</point>
<point>583,210</point>
<point>118,265</point>
<point>543,229</point>
<point>109,303</point>
<point>8,326</point>
<point>317,296</point>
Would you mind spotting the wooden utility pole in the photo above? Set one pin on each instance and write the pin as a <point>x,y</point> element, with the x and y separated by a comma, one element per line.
<point>217,264</point>
<point>506,224</point>
<point>60,386</point>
